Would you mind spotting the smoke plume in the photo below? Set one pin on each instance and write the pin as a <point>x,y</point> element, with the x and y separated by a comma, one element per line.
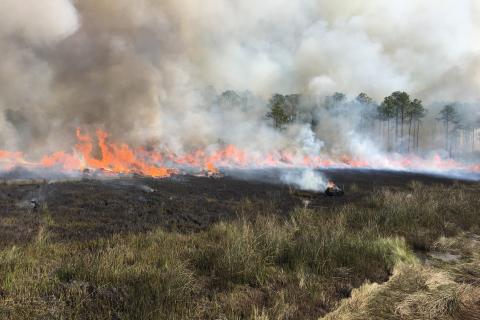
<point>148,71</point>
<point>305,179</point>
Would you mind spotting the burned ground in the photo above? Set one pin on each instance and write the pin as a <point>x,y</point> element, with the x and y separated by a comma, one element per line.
<point>88,208</point>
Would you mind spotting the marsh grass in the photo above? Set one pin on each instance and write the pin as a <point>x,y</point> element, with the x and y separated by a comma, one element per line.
<point>261,266</point>
<point>436,291</point>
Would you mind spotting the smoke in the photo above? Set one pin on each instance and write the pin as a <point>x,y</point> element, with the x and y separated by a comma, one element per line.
<point>145,70</point>
<point>305,179</point>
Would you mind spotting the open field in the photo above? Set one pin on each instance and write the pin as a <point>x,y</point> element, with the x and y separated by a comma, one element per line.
<point>396,246</point>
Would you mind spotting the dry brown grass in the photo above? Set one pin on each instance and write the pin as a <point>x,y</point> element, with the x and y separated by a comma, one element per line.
<point>440,290</point>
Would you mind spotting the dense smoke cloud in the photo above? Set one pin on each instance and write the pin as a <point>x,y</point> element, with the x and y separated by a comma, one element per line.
<point>140,69</point>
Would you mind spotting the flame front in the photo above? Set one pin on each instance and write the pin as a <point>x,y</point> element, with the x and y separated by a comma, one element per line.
<point>112,158</point>
<point>117,158</point>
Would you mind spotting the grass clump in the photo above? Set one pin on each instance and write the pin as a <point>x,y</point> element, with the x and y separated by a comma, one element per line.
<point>421,214</point>
<point>234,253</point>
<point>271,263</point>
<point>419,292</point>
<point>124,277</point>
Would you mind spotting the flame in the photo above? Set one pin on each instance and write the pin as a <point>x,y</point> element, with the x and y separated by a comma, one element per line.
<point>331,185</point>
<point>117,158</point>
<point>99,153</point>
<point>210,167</point>
<point>67,161</point>
<point>9,159</point>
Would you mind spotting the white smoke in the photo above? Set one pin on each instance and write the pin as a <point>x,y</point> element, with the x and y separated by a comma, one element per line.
<point>139,68</point>
<point>38,22</point>
<point>306,179</point>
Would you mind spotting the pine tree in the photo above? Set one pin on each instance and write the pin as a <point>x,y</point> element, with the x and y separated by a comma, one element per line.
<point>449,117</point>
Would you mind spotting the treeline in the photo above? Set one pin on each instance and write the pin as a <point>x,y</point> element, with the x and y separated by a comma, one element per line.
<point>397,122</point>
<point>459,130</point>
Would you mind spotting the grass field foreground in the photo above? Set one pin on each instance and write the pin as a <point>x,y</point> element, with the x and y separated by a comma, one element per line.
<point>263,266</point>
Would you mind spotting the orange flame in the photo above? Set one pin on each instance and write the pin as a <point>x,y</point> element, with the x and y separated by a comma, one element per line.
<point>99,153</point>
<point>117,158</point>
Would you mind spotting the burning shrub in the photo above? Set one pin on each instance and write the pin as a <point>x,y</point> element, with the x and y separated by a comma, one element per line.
<point>332,190</point>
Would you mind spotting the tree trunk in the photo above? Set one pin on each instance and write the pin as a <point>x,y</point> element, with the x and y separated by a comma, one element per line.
<point>453,146</point>
<point>473,140</point>
<point>453,137</point>
<point>388,134</point>
<point>446,135</point>
<point>380,128</point>
<point>371,125</point>
<point>418,133</point>
<point>402,142</point>
<point>409,133</point>
<point>414,135</point>
<point>396,128</point>
<point>382,131</point>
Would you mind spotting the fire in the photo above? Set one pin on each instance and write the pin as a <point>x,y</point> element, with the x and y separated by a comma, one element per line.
<point>117,158</point>
<point>67,161</point>
<point>331,185</point>
<point>7,156</point>
<point>210,167</point>
<point>99,153</point>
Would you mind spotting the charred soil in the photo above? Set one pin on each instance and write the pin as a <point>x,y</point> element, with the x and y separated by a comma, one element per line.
<point>85,209</point>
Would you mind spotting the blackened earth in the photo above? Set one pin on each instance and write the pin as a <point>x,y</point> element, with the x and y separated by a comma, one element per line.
<point>88,208</point>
